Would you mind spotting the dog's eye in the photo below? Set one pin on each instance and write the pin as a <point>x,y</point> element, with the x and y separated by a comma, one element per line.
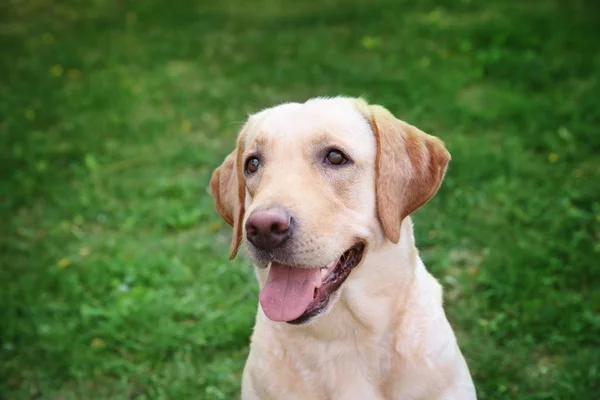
<point>335,157</point>
<point>252,164</point>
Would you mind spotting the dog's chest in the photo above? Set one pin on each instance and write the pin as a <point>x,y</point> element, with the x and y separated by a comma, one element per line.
<point>353,369</point>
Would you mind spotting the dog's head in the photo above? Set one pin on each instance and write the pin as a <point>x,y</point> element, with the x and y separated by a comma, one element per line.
<point>311,187</point>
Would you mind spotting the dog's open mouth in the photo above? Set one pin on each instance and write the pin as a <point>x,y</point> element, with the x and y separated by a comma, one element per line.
<point>295,295</point>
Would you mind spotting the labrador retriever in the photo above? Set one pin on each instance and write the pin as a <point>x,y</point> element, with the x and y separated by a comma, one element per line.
<point>320,195</point>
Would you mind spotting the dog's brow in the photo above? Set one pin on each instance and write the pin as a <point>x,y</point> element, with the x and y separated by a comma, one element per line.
<point>259,139</point>
<point>255,143</point>
<point>323,139</point>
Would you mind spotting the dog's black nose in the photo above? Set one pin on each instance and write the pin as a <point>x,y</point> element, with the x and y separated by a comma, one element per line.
<point>269,228</point>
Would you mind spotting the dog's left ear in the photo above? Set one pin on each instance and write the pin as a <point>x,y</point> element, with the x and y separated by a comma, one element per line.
<point>410,167</point>
<point>228,189</point>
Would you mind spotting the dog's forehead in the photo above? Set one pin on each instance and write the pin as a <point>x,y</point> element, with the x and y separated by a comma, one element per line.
<point>337,119</point>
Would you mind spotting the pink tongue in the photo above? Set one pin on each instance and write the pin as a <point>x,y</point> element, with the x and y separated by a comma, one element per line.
<point>288,291</point>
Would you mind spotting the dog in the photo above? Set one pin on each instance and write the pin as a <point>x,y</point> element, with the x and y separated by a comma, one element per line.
<point>320,193</point>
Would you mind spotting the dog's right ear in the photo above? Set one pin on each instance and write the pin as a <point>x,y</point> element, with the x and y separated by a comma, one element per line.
<point>228,189</point>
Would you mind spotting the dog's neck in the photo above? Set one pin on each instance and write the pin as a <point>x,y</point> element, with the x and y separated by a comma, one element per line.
<point>365,304</point>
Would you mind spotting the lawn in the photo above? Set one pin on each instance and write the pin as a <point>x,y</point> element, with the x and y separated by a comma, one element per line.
<point>114,278</point>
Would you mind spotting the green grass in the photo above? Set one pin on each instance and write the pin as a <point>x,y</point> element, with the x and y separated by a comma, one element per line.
<point>114,279</point>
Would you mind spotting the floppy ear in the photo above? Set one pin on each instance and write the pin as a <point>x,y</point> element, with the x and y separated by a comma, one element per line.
<point>409,169</point>
<point>228,189</point>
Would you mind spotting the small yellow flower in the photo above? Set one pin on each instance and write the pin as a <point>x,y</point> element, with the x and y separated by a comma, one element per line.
<point>74,74</point>
<point>553,157</point>
<point>425,62</point>
<point>437,15</point>
<point>473,271</point>
<point>30,114</point>
<point>96,343</point>
<point>57,70</point>
<point>84,251</point>
<point>64,263</point>
<point>130,18</point>
<point>47,38</point>
<point>370,42</point>
<point>186,126</point>
<point>214,226</point>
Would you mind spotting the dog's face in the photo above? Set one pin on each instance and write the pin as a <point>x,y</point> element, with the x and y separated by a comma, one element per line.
<point>311,187</point>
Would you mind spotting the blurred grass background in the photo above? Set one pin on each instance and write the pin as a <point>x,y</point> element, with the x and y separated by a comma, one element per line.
<point>114,279</point>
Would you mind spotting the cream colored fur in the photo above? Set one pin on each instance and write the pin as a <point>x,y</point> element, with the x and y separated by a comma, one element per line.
<point>385,334</point>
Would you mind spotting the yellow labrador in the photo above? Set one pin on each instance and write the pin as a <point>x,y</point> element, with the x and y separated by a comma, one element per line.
<point>320,194</point>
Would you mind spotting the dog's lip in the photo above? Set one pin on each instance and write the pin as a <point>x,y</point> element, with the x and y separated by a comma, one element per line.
<point>286,261</point>
<point>337,275</point>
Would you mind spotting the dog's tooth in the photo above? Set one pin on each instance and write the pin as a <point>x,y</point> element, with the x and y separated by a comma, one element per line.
<point>323,272</point>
